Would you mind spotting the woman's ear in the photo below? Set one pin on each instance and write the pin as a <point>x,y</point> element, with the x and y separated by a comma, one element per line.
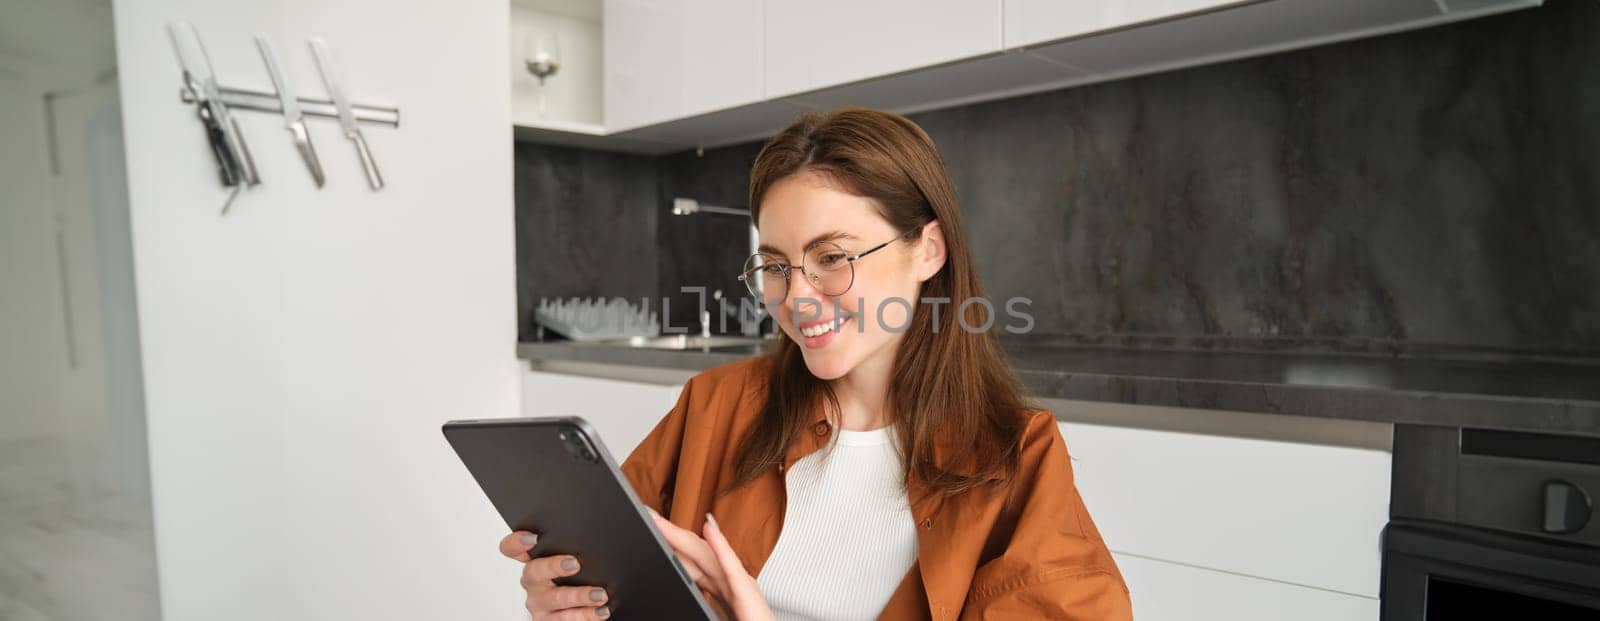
<point>931,251</point>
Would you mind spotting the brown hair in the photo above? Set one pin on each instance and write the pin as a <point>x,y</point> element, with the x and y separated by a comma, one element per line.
<point>950,387</point>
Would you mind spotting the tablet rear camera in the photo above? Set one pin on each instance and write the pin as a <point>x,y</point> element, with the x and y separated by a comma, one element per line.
<point>578,446</point>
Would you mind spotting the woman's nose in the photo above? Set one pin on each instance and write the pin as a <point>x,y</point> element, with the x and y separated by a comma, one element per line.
<point>803,296</point>
<point>806,288</point>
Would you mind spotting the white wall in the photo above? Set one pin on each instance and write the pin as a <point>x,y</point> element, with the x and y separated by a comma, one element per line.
<point>301,352</point>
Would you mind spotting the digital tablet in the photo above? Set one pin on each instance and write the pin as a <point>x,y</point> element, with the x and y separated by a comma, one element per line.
<point>552,476</point>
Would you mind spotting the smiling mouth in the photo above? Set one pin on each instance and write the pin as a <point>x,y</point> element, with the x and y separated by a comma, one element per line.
<point>823,328</point>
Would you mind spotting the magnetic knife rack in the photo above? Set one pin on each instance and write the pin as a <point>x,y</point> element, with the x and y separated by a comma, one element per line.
<point>262,101</point>
<point>214,105</point>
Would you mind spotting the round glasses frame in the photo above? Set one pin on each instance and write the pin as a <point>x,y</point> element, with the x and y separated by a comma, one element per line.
<point>814,274</point>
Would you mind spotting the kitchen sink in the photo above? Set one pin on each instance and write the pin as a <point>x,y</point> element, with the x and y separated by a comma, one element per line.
<point>682,341</point>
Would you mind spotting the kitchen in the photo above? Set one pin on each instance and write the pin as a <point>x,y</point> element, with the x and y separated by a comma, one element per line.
<point>1312,284</point>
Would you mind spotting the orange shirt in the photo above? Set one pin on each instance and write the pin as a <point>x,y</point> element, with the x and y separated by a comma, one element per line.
<point>1029,553</point>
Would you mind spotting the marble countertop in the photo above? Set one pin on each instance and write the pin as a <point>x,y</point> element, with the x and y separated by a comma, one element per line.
<point>1505,393</point>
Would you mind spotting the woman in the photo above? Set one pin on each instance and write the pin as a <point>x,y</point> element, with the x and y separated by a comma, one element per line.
<point>882,460</point>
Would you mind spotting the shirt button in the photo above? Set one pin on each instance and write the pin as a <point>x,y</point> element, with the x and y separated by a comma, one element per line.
<point>820,429</point>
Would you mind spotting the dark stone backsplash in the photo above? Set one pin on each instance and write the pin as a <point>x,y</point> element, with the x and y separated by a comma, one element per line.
<point>1435,187</point>
<point>582,226</point>
<point>704,249</point>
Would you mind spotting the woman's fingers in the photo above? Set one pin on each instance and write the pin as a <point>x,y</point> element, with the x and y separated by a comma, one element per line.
<point>545,599</point>
<point>517,544</point>
<point>696,575</point>
<point>537,574</point>
<point>694,551</point>
<point>732,568</point>
<point>712,592</point>
<point>708,588</point>
<point>576,614</point>
<point>548,601</point>
<point>743,594</point>
<point>563,597</point>
<point>721,608</point>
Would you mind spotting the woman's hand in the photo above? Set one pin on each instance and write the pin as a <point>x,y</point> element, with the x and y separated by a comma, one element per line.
<point>546,600</point>
<point>716,569</point>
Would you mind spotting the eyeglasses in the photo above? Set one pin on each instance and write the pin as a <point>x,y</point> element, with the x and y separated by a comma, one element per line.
<point>827,266</point>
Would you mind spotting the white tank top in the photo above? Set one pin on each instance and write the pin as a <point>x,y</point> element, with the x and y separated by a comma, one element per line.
<point>848,537</point>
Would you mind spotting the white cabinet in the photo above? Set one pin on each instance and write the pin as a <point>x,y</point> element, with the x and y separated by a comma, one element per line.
<point>669,59</point>
<point>811,45</point>
<point>685,73</point>
<point>1035,21</point>
<point>570,99</point>
<point>1164,591</point>
<point>1250,30</point>
<point>1304,514</point>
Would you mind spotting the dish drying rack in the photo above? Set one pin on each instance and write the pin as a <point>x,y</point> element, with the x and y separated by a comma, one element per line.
<point>594,319</point>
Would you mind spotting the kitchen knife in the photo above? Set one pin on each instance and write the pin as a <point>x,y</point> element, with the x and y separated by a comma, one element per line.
<point>347,117</point>
<point>227,169</point>
<point>195,60</point>
<point>293,118</point>
<point>227,166</point>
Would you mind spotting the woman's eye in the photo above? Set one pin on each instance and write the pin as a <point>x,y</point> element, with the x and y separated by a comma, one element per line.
<point>772,269</point>
<point>829,259</point>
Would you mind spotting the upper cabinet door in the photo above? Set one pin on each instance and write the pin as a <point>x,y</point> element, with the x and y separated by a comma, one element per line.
<point>1037,21</point>
<point>669,59</point>
<point>820,43</point>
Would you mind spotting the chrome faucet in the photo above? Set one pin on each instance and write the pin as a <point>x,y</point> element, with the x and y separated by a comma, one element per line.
<point>750,324</point>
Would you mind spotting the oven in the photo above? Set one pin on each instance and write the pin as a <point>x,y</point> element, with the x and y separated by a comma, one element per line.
<point>1488,520</point>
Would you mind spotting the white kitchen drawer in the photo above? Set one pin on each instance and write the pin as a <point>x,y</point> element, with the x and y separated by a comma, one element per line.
<point>1299,513</point>
<point>1163,591</point>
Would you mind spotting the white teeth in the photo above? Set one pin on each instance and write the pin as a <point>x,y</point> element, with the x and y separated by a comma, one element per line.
<point>819,330</point>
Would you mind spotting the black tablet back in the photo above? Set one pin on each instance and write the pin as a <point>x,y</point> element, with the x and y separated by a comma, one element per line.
<point>552,476</point>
